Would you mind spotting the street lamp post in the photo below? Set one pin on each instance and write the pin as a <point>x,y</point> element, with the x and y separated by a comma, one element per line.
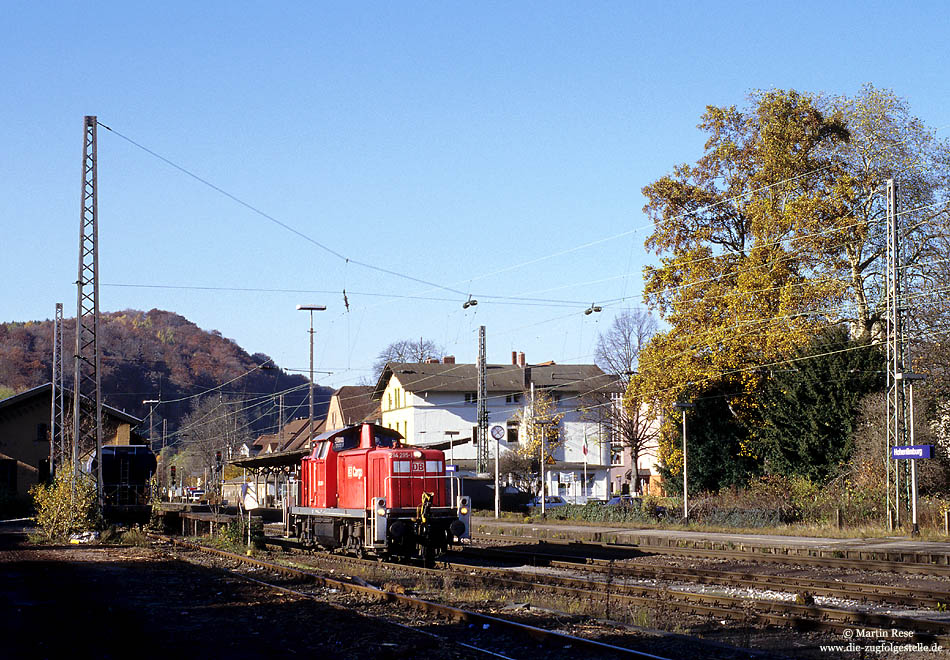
<point>541,468</point>
<point>311,309</point>
<point>684,407</point>
<point>451,436</point>
<point>544,435</point>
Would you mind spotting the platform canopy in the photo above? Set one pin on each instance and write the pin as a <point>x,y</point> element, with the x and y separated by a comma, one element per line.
<point>280,459</point>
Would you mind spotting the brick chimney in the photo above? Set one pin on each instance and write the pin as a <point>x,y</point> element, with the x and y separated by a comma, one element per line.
<point>432,360</point>
<point>514,358</point>
<point>521,361</point>
<point>448,359</point>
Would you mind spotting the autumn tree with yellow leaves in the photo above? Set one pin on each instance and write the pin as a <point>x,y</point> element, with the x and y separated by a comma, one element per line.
<point>540,425</point>
<point>775,233</point>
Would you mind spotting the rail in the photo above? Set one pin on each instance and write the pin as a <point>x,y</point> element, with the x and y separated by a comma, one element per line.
<point>447,611</point>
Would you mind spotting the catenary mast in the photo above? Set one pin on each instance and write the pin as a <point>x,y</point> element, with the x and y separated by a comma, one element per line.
<point>87,399</point>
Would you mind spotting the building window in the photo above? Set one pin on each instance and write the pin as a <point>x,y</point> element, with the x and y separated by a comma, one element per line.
<point>616,454</point>
<point>41,433</point>
<point>390,401</point>
<point>513,398</point>
<point>512,432</point>
<point>471,397</point>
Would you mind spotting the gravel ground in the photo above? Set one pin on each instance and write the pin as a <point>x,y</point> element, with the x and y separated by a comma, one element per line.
<point>780,641</point>
<point>88,602</point>
<point>922,582</point>
<point>109,602</point>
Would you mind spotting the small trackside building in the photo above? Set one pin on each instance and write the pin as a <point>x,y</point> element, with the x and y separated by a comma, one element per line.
<point>25,437</point>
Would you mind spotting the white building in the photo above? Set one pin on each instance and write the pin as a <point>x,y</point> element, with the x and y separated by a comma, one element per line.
<point>435,404</point>
<point>645,480</point>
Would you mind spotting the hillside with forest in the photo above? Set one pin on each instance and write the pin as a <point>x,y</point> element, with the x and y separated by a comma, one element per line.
<point>158,355</point>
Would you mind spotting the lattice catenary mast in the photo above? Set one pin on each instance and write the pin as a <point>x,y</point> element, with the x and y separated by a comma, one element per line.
<point>482,446</point>
<point>896,351</point>
<point>57,442</point>
<point>87,400</point>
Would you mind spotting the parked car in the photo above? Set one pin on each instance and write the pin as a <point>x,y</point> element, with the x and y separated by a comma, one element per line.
<point>624,500</point>
<point>549,501</point>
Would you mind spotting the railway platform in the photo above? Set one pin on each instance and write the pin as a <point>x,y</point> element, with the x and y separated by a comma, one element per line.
<point>891,548</point>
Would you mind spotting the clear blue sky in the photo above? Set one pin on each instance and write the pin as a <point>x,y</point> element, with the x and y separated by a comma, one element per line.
<point>492,149</point>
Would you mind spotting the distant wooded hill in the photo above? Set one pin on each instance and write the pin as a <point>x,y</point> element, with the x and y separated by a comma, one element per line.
<point>157,355</point>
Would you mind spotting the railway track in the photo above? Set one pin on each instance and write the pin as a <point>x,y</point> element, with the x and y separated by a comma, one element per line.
<point>615,595</point>
<point>876,593</point>
<point>748,610</point>
<point>901,567</point>
<point>289,579</point>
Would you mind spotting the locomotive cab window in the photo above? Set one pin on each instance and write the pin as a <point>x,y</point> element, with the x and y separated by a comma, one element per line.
<point>347,441</point>
<point>384,440</point>
<point>322,449</point>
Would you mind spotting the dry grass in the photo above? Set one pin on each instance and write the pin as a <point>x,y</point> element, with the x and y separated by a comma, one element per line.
<point>136,537</point>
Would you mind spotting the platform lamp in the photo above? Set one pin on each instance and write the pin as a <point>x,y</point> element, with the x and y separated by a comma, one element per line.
<point>911,378</point>
<point>311,309</point>
<point>544,436</point>
<point>684,407</point>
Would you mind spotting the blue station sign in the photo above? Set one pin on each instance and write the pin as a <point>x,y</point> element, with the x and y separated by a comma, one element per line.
<point>912,451</point>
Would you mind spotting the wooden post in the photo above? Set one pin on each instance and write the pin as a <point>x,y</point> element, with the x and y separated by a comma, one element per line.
<point>838,517</point>
<point>946,522</point>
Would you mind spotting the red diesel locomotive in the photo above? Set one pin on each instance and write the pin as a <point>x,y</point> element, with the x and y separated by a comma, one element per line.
<point>361,489</point>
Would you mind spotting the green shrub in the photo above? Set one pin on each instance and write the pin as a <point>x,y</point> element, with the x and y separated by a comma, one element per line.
<point>60,513</point>
<point>233,535</point>
<point>135,536</point>
<point>649,512</point>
